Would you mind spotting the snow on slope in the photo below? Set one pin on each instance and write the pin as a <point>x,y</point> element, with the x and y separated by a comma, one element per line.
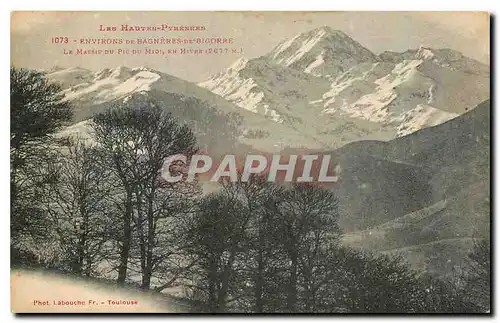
<point>401,98</point>
<point>394,93</point>
<point>275,86</point>
<point>321,52</point>
<point>109,84</point>
<point>234,88</point>
<point>372,106</point>
<point>343,82</point>
<point>283,46</point>
<point>319,60</point>
<point>91,95</point>
<point>79,131</point>
<point>70,76</point>
<point>228,81</point>
<point>424,53</point>
<point>242,91</point>
<point>244,97</point>
<point>422,116</point>
<point>313,85</point>
<point>306,46</point>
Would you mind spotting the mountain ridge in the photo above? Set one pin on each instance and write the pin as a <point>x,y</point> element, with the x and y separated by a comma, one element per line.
<point>91,92</point>
<point>418,189</point>
<point>383,96</point>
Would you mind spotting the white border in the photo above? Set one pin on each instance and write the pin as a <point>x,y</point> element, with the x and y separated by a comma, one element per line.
<point>199,5</point>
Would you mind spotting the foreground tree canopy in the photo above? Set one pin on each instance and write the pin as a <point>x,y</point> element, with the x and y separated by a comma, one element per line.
<point>36,112</point>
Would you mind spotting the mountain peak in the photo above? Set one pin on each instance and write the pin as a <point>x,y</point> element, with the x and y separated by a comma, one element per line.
<point>323,51</point>
<point>239,64</point>
<point>424,53</point>
<point>329,31</point>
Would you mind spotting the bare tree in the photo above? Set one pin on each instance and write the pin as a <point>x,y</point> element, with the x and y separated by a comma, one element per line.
<point>214,240</point>
<point>309,217</point>
<point>78,203</point>
<point>256,241</point>
<point>136,141</point>
<point>37,111</point>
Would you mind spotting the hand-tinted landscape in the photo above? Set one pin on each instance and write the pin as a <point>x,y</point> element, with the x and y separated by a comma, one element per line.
<point>406,229</point>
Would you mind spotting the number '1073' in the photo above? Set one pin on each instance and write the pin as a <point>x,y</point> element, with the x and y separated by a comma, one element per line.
<point>59,40</point>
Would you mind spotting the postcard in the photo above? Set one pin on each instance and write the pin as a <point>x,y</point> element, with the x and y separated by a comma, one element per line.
<point>250,162</point>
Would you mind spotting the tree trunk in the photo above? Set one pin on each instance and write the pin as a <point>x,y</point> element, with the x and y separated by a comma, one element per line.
<point>212,286</point>
<point>259,282</point>
<point>222,293</point>
<point>148,270</point>
<point>81,255</point>
<point>226,275</point>
<point>126,241</point>
<point>82,236</point>
<point>146,277</point>
<point>292,284</point>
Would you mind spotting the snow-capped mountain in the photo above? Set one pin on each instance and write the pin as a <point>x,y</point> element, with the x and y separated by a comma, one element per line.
<point>328,86</point>
<point>403,97</point>
<point>91,92</point>
<point>321,52</point>
<point>418,90</point>
<point>88,89</point>
<point>260,86</point>
<point>107,84</point>
<point>279,85</point>
<point>319,89</point>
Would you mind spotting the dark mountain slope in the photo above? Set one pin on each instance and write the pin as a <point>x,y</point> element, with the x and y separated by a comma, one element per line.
<point>431,208</point>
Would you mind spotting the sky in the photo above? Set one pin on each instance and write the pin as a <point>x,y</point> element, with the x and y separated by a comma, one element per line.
<point>254,34</point>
